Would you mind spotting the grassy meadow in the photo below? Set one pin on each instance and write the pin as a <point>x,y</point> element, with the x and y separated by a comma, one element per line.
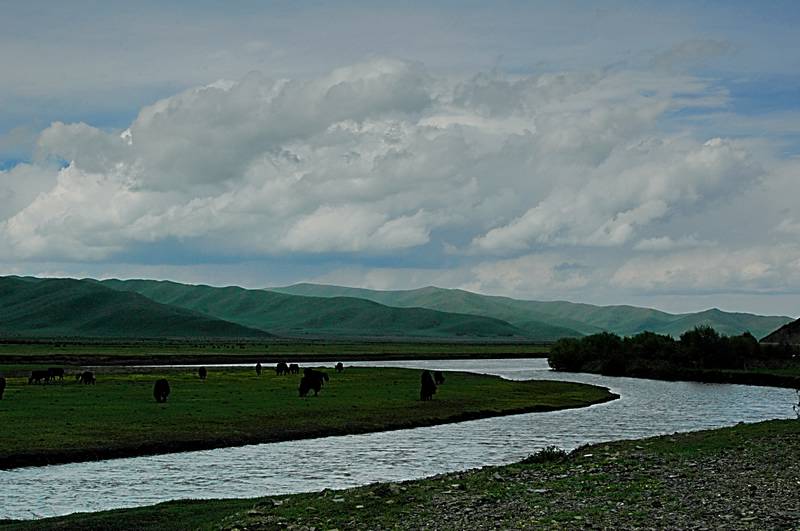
<point>119,417</point>
<point>76,353</point>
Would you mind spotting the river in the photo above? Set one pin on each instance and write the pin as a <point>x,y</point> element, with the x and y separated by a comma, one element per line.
<point>646,407</point>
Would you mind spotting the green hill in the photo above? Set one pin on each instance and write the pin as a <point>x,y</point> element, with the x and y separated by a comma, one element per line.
<point>728,323</point>
<point>456,301</point>
<point>32,307</point>
<point>529,315</point>
<point>294,315</point>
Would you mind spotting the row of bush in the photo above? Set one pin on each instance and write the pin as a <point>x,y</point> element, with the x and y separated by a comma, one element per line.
<point>648,353</point>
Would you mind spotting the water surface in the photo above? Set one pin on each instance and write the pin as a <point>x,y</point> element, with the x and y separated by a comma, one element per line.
<point>646,407</point>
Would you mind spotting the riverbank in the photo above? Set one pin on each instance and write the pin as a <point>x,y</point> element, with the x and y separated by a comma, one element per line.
<point>744,477</point>
<point>118,417</point>
<point>784,377</point>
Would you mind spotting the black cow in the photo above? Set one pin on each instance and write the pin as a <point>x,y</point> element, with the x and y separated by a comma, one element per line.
<point>312,380</point>
<point>161,390</point>
<point>39,376</point>
<point>56,373</point>
<point>438,377</point>
<point>202,373</point>
<point>281,368</point>
<point>2,386</point>
<point>86,378</point>
<point>428,387</point>
<point>339,367</point>
<point>258,369</point>
<point>294,368</point>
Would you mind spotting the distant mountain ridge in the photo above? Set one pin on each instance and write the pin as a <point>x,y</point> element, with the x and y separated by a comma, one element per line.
<point>33,307</point>
<point>583,318</point>
<point>294,315</point>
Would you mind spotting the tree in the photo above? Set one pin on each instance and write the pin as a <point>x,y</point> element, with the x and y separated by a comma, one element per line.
<point>566,354</point>
<point>702,347</point>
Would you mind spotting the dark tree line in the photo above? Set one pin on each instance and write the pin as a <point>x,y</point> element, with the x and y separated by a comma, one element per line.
<point>656,355</point>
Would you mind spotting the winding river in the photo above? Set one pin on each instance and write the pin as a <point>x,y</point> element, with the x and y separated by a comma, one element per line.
<point>646,407</point>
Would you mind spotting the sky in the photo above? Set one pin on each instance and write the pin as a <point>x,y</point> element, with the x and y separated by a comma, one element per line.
<point>642,153</point>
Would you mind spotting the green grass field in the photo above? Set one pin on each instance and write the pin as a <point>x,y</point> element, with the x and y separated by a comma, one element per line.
<point>84,352</point>
<point>118,416</point>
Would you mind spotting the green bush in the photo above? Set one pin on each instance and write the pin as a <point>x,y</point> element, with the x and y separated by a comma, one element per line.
<point>548,454</point>
<point>658,355</point>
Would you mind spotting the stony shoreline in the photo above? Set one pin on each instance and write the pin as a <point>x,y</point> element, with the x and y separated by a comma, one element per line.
<point>743,477</point>
<point>746,477</point>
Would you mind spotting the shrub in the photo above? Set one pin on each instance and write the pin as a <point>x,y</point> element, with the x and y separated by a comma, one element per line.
<point>567,354</point>
<point>548,454</point>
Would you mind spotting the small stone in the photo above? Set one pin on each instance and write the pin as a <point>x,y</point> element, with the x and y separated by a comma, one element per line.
<point>277,503</point>
<point>338,500</point>
<point>359,506</point>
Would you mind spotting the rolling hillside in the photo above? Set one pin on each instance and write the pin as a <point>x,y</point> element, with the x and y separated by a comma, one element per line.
<point>75,308</point>
<point>527,315</point>
<point>788,333</point>
<point>294,315</point>
<point>457,301</point>
<point>150,309</point>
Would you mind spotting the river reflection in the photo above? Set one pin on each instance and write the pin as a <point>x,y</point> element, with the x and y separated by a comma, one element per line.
<point>646,407</point>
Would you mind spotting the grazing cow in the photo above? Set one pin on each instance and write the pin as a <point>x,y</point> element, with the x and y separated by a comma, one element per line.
<point>294,368</point>
<point>428,386</point>
<point>161,390</point>
<point>312,380</point>
<point>202,373</point>
<point>39,376</point>
<point>86,378</point>
<point>258,369</point>
<point>2,386</point>
<point>281,368</point>
<point>339,367</point>
<point>438,377</point>
<point>56,373</point>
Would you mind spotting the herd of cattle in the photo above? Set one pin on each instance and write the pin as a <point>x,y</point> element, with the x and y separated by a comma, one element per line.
<point>56,374</point>
<point>312,379</point>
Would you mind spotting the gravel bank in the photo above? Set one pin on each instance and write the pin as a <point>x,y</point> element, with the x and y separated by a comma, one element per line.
<point>747,477</point>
